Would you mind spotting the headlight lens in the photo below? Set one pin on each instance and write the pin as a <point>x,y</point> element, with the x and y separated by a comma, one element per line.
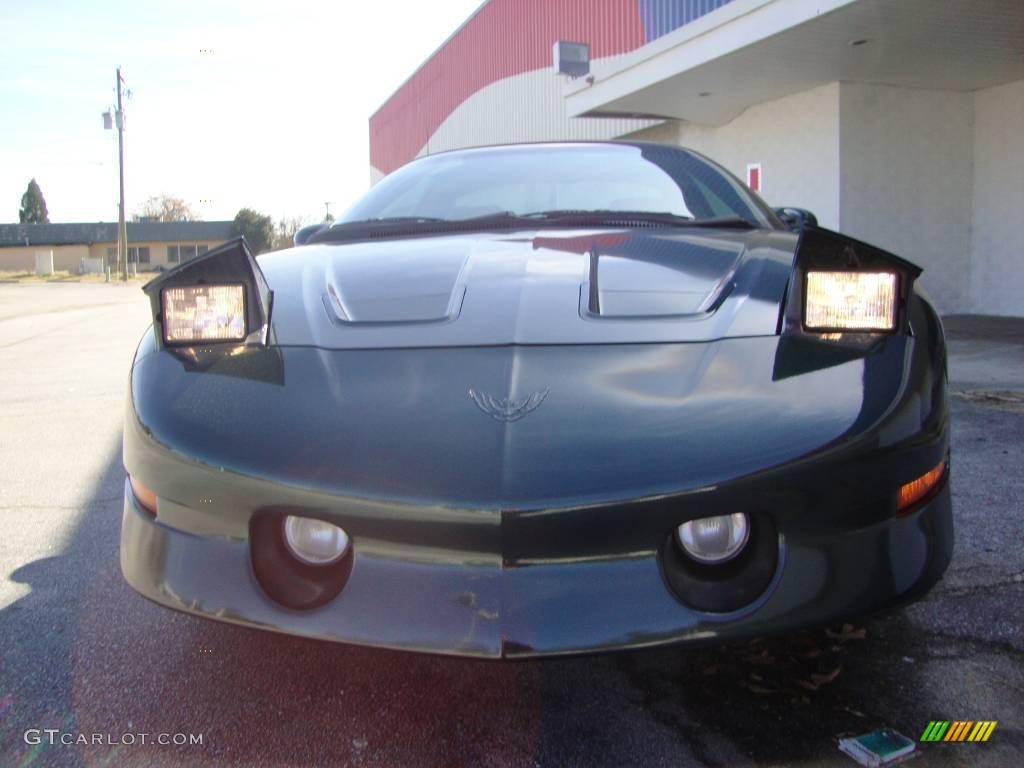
<point>204,313</point>
<point>855,301</point>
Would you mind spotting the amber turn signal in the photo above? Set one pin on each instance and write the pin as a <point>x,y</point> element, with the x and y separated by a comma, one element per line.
<point>145,497</point>
<point>915,490</point>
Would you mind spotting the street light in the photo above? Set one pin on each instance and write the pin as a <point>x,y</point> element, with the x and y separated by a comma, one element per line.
<point>122,230</point>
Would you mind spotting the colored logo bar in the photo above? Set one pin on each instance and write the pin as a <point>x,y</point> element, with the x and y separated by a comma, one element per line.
<point>958,730</point>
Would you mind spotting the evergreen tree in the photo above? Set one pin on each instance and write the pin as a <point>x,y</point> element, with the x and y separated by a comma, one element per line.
<point>257,228</point>
<point>33,206</point>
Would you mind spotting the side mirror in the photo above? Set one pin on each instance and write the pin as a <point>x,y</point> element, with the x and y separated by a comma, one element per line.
<point>796,218</point>
<point>301,236</point>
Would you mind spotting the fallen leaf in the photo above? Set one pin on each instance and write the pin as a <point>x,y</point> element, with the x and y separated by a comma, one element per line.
<point>847,632</point>
<point>828,677</point>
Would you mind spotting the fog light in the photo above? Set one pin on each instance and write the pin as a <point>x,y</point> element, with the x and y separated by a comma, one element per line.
<point>314,541</point>
<point>714,539</point>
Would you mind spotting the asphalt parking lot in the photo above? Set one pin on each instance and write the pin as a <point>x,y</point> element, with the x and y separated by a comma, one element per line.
<point>80,652</point>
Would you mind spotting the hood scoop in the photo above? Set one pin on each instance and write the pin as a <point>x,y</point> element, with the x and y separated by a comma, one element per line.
<point>406,285</point>
<point>648,276</point>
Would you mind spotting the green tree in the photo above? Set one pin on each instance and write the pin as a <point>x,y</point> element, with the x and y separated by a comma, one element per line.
<point>257,228</point>
<point>33,206</point>
<point>165,208</point>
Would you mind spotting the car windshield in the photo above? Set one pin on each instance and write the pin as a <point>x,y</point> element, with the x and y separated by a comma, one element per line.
<point>538,179</point>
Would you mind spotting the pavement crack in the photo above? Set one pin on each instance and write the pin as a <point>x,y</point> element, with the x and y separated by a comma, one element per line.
<point>1004,400</point>
<point>995,645</point>
<point>61,507</point>
<point>969,590</point>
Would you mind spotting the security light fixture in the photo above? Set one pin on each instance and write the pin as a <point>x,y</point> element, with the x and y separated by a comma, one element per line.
<point>572,59</point>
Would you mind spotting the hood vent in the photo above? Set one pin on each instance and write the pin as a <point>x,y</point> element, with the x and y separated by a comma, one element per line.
<point>647,277</point>
<point>411,283</point>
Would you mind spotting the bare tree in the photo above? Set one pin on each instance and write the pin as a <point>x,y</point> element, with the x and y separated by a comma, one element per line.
<point>165,208</point>
<point>285,230</point>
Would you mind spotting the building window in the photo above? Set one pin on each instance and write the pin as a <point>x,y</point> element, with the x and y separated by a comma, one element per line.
<point>178,253</point>
<point>139,255</point>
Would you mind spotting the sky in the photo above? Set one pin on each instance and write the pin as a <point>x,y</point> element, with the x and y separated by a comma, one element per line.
<point>234,103</point>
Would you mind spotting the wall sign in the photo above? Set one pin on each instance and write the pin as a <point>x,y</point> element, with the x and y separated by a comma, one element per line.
<point>754,178</point>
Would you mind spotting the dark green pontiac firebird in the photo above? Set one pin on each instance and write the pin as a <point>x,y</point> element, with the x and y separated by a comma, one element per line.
<point>540,399</point>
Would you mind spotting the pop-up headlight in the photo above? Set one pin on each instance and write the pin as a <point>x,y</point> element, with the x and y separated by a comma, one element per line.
<point>842,286</point>
<point>218,298</point>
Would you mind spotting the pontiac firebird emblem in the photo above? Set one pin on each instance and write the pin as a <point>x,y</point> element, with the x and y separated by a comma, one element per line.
<point>507,409</point>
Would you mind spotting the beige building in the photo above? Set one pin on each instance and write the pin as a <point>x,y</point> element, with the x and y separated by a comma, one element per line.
<point>152,245</point>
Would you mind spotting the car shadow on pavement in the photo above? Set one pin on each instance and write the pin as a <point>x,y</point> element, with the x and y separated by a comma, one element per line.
<point>85,654</point>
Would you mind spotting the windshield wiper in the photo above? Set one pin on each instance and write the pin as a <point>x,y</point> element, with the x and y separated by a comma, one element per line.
<point>391,220</point>
<point>409,226</point>
<point>559,216</point>
<point>406,226</point>
<point>646,217</point>
<point>726,222</point>
<point>599,215</point>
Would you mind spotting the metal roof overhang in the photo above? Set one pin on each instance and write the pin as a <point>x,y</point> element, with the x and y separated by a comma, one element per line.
<point>752,51</point>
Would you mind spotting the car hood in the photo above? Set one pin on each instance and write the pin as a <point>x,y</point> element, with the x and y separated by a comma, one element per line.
<point>544,287</point>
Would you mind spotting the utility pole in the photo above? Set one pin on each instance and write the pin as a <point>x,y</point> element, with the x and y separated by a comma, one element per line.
<point>122,229</point>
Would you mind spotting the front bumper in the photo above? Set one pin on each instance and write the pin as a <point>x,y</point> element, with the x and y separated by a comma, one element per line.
<point>488,609</point>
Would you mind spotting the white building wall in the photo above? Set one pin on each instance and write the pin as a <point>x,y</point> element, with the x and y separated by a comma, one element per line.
<point>906,179</point>
<point>795,139</point>
<point>895,167</point>
<point>997,257</point>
